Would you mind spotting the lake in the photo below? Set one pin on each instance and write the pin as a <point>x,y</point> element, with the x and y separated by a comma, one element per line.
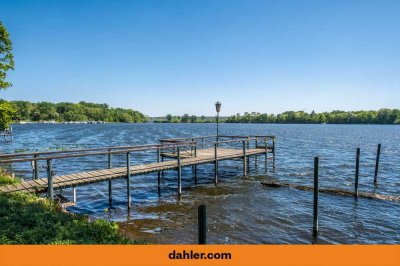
<point>239,210</point>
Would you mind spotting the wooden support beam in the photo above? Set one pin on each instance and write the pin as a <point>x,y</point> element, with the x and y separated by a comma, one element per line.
<point>109,181</point>
<point>202,224</point>
<point>316,190</point>
<point>357,172</point>
<point>158,173</point>
<point>215,164</point>
<point>378,154</point>
<point>244,159</point>
<point>50,192</point>
<point>179,172</point>
<point>128,178</point>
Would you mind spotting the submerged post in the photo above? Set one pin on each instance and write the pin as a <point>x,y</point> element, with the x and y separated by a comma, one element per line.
<point>216,164</point>
<point>50,192</point>
<point>158,173</point>
<point>357,172</point>
<point>273,152</point>
<point>109,181</point>
<point>244,158</point>
<point>266,155</point>
<point>378,154</point>
<point>128,178</point>
<point>202,224</point>
<point>36,166</point>
<point>179,172</point>
<point>255,155</point>
<point>316,190</point>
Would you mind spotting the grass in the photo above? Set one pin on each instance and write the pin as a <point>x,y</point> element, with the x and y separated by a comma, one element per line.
<point>28,219</point>
<point>6,179</point>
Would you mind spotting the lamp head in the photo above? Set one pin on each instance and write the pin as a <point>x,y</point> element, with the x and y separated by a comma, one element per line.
<point>218,106</point>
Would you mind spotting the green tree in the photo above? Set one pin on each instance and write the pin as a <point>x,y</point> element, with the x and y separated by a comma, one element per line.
<point>7,112</point>
<point>6,57</point>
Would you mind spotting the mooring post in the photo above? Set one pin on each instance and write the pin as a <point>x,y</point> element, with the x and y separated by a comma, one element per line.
<point>74,194</point>
<point>109,181</point>
<point>273,152</point>
<point>128,178</point>
<point>248,156</point>
<point>202,224</point>
<point>158,173</point>
<point>266,155</point>
<point>179,172</point>
<point>316,191</point>
<point>378,154</point>
<point>195,166</point>
<point>357,172</point>
<point>216,164</point>
<point>36,166</point>
<point>255,155</point>
<point>50,179</point>
<point>244,159</point>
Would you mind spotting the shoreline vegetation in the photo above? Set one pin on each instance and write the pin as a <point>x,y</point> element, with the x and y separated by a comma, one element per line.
<point>29,219</point>
<point>25,112</point>
<point>382,116</point>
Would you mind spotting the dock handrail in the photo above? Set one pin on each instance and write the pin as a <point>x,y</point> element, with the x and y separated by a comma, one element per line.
<point>118,150</point>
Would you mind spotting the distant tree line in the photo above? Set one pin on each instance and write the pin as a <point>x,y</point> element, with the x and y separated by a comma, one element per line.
<point>65,111</point>
<point>382,116</point>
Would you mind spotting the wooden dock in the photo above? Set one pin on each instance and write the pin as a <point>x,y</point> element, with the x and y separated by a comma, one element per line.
<point>171,154</point>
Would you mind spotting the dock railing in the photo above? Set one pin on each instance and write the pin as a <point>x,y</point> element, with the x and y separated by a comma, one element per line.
<point>181,148</point>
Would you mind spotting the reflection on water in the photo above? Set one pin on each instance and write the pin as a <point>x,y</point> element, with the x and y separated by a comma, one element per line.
<point>239,210</point>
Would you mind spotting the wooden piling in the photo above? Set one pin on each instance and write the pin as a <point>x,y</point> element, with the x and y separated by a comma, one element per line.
<point>316,190</point>
<point>109,181</point>
<point>378,154</point>
<point>215,164</point>
<point>50,179</point>
<point>195,166</point>
<point>202,224</point>
<point>244,159</point>
<point>36,166</point>
<point>273,152</point>
<point>248,157</point>
<point>158,173</point>
<point>74,194</point>
<point>357,172</point>
<point>128,178</point>
<point>266,155</point>
<point>179,172</point>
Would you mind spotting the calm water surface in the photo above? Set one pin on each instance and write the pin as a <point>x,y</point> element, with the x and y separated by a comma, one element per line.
<point>239,210</point>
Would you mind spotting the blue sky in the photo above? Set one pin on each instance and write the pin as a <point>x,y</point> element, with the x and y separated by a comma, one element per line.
<point>181,57</point>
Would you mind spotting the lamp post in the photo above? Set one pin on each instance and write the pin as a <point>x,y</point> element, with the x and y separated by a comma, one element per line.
<point>217,108</point>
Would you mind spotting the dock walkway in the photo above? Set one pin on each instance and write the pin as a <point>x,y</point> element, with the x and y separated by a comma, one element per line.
<point>172,154</point>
